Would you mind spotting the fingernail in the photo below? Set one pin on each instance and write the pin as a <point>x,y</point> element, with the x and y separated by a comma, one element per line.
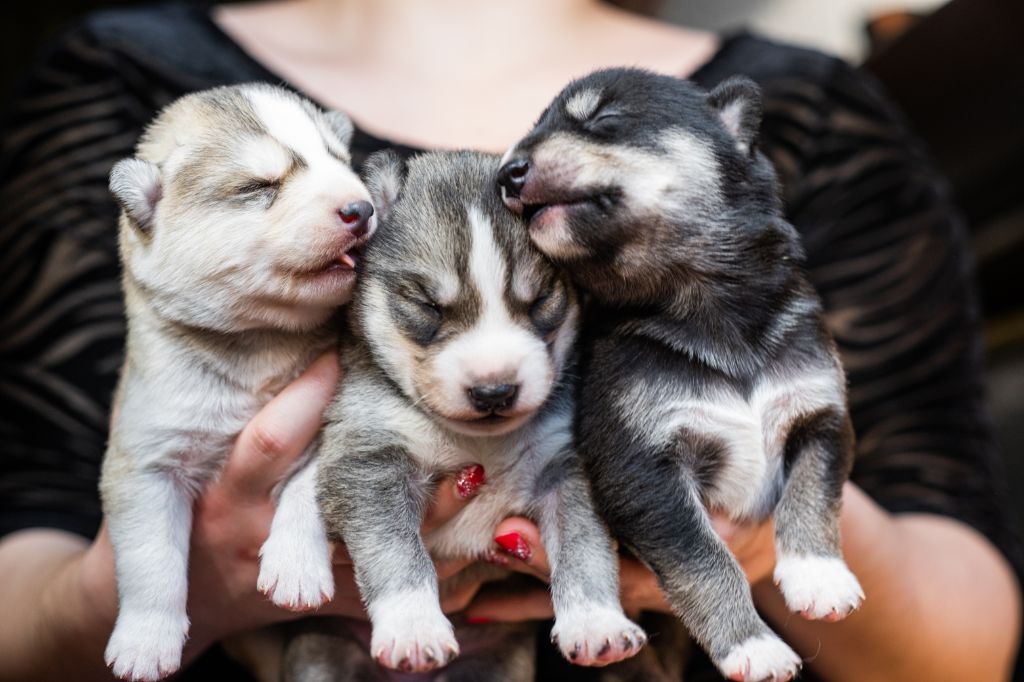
<point>478,620</point>
<point>469,480</point>
<point>515,544</point>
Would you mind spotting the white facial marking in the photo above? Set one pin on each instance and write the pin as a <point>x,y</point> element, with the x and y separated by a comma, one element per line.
<point>288,122</point>
<point>582,104</point>
<point>649,179</point>
<point>495,349</point>
<point>265,158</point>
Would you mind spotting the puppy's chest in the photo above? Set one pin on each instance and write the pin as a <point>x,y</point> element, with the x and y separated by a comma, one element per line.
<point>514,472</point>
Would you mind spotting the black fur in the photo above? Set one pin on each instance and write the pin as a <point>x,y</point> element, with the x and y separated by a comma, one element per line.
<point>696,295</point>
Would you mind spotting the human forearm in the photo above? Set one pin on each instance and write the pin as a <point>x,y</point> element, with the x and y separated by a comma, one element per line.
<point>941,602</point>
<point>53,629</point>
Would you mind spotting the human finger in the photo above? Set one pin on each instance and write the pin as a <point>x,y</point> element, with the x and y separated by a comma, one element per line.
<point>494,605</point>
<point>517,541</point>
<point>270,442</point>
<point>639,589</point>
<point>452,494</point>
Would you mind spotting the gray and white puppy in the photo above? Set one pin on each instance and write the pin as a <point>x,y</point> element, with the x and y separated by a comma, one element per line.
<point>461,337</point>
<point>240,227</point>
<point>711,381</point>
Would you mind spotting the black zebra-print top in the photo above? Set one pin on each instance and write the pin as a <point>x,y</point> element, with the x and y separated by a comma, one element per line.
<point>886,250</point>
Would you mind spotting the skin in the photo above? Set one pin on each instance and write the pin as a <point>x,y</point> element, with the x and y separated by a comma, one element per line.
<point>942,602</point>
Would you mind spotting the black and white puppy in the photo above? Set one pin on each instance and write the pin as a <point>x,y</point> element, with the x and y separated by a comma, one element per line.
<point>461,335</point>
<point>711,382</point>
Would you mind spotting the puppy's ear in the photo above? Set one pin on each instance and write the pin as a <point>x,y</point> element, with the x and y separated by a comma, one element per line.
<point>341,124</point>
<point>384,175</point>
<point>136,186</point>
<point>738,104</point>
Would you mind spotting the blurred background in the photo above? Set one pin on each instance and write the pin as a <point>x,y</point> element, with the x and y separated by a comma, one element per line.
<point>955,67</point>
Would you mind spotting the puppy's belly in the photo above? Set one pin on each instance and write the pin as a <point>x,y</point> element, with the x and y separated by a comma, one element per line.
<point>737,455</point>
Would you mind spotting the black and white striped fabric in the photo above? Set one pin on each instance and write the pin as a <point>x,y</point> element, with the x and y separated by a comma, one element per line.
<point>885,249</point>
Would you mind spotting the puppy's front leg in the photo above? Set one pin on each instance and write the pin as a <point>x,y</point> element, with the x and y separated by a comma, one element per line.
<point>149,518</point>
<point>810,570</point>
<point>374,503</point>
<point>295,562</point>
<point>590,627</point>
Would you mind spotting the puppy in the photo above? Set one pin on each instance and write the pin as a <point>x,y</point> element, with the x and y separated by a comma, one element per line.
<point>461,342</point>
<point>710,381</point>
<point>240,229</point>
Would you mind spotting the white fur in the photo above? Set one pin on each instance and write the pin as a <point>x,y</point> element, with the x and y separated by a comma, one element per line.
<point>409,626</point>
<point>287,122</point>
<point>582,104</point>
<point>295,561</point>
<point>818,587</point>
<point>731,116</point>
<point>582,633</point>
<point>648,180</point>
<point>764,657</point>
<point>227,270</point>
<point>496,349</point>
<point>752,429</point>
<point>152,577</point>
<point>231,265</point>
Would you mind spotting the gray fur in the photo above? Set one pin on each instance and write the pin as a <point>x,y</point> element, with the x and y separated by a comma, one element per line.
<point>451,282</point>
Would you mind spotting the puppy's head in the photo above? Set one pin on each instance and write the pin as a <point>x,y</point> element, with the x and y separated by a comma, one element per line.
<point>240,210</point>
<point>629,178</point>
<point>457,306</point>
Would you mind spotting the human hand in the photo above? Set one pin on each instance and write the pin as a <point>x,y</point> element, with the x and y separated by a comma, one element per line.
<point>233,515</point>
<point>519,540</point>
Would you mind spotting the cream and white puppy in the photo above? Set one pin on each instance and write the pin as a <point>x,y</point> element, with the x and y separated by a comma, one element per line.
<point>241,224</point>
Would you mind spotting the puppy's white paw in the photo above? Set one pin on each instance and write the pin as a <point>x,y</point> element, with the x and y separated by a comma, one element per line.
<point>818,587</point>
<point>411,634</point>
<point>764,658</point>
<point>597,635</point>
<point>295,571</point>
<point>146,645</point>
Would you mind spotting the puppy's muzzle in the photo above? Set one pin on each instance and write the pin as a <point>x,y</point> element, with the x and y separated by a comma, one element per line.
<point>512,177</point>
<point>489,398</point>
<point>356,217</point>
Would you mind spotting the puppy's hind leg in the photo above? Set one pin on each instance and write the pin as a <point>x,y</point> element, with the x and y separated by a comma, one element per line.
<point>657,509</point>
<point>295,562</point>
<point>590,627</point>
<point>374,502</point>
<point>149,518</point>
<point>809,569</point>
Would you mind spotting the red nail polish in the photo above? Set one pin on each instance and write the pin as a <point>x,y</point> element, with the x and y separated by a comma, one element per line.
<point>514,544</point>
<point>469,480</point>
<point>478,620</point>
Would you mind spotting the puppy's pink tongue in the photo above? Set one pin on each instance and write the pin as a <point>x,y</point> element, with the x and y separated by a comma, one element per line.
<point>347,260</point>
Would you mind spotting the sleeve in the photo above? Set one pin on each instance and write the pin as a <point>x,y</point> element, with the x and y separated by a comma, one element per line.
<point>61,319</point>
<point>888,252</point>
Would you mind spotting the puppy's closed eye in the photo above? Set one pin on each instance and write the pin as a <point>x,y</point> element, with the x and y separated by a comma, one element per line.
<point>259,190</point>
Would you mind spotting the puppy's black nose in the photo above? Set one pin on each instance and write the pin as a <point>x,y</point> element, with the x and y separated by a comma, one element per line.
<point>356,217</point>
<point>512,176</point>
<point>492,397</point>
